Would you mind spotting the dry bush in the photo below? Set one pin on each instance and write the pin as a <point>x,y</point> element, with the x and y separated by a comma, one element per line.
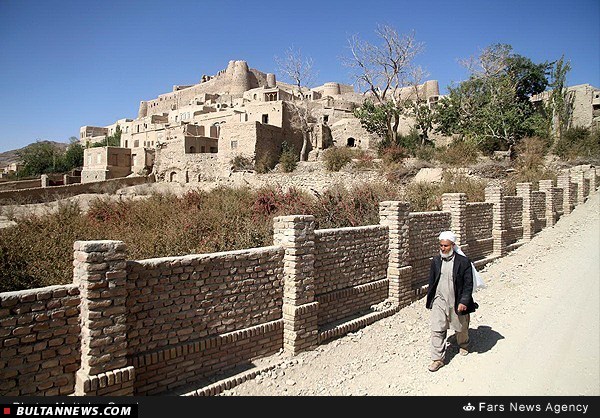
<point>457,154</point>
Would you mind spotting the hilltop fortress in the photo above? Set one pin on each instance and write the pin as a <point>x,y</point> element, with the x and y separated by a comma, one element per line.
<point>194,132</point>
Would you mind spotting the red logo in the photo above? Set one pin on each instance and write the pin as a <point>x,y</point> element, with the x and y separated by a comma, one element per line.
<point>6,411</point>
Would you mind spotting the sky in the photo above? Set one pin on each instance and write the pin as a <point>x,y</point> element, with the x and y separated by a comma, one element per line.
<point>66,64</point>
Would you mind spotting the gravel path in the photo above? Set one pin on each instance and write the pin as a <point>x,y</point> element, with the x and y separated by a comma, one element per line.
<point>536,332</point>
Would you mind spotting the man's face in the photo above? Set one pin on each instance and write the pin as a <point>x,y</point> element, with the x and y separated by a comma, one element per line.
<point>445,246</point>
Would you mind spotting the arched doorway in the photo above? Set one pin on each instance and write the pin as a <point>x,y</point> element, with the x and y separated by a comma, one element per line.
<point>173,176</point>
<point>350,142</point>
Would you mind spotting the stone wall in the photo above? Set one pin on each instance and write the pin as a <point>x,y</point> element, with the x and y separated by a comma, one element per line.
<point>145,327</point>
<point>39,341</point>
<point>45,194</point>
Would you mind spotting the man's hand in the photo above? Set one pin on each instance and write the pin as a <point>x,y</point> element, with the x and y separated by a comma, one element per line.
<point>461,307</point>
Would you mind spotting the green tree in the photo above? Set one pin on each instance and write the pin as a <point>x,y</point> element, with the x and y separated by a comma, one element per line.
<point>73,156</point>
<point>41,158</point>
<point>561,101</point>
<point>492,106</point>
<point>113,140</point>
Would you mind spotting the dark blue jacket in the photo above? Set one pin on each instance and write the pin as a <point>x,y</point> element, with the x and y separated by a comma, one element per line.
<point>462,276</point>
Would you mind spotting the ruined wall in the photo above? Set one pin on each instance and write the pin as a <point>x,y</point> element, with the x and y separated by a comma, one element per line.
<point>45,194</point>
<point>350,270</point>
<point>250,140</point>
<point>39,341</point>
<point>173,164</point>
<point>234,80</point>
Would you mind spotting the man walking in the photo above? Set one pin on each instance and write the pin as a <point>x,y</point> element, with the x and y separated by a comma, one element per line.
<point>450,298</point>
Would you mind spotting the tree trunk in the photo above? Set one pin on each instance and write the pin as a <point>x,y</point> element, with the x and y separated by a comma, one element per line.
<point>304,150</point>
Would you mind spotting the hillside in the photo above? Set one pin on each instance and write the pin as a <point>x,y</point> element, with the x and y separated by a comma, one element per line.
<point>9,157</point>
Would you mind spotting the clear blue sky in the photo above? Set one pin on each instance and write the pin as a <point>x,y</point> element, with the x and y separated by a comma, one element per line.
<point>65,64</point>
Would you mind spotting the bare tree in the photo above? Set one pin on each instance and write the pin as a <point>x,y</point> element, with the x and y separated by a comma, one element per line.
<point>381,70</point>
<point>299,71</point>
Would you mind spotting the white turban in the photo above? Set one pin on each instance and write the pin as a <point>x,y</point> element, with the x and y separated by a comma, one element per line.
<point>447,235</point>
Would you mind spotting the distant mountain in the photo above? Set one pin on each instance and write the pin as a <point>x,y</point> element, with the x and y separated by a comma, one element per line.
<point>9,157</point>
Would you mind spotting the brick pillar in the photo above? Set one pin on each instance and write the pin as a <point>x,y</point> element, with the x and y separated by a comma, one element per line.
<point>99,270</point>
<point>296,234</point>
<point>495,195</point>
<point>569,193</point>
<point>592,175</point>
<point>44,181</point>
<point>394,215</point>
<point>456,204</point>
<point>551,209</point>
<point>579,179</point>
<point>524,191</point>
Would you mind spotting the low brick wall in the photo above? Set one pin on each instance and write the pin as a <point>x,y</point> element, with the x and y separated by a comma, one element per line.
<point>479,223</point>
<point>20,184</point>
<point>39,341</point>
<point>424,228</point>
<point>347,262</point>
<point>182,303</point>
<point>538,203</point>
<point>514,219</point>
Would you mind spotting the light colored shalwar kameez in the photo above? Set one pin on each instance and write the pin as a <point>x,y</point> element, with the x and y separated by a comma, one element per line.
<point>443,316</point>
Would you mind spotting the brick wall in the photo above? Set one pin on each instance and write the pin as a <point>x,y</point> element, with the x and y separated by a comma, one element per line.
<point>424,228</point>
<point>348,261</point>
<point>479,224</point>
<point>514,219</point>
<point>39,341</point>
<point>538,204</point>
<point>183,312</point>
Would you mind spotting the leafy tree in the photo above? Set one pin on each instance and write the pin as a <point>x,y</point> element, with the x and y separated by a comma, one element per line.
<point>73,156</point>
<point>113,140</point>
<point>492,106</point>
<point>41,158</point>
<point>561,100</point>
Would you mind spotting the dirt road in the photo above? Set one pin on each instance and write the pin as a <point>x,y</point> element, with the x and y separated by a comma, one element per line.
<point>536,332</point>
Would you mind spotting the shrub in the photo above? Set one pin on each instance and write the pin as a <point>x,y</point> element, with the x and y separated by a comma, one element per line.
<point>337,157</point>
<point>579,143</point>
<point>288,160</point>
<point>393,154</point>
<point>241,163</point>
<point>458,153</point>
<point>265,163</point>
<point>425,153</point>
<point>422,196</point>
<point>460,183</point>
